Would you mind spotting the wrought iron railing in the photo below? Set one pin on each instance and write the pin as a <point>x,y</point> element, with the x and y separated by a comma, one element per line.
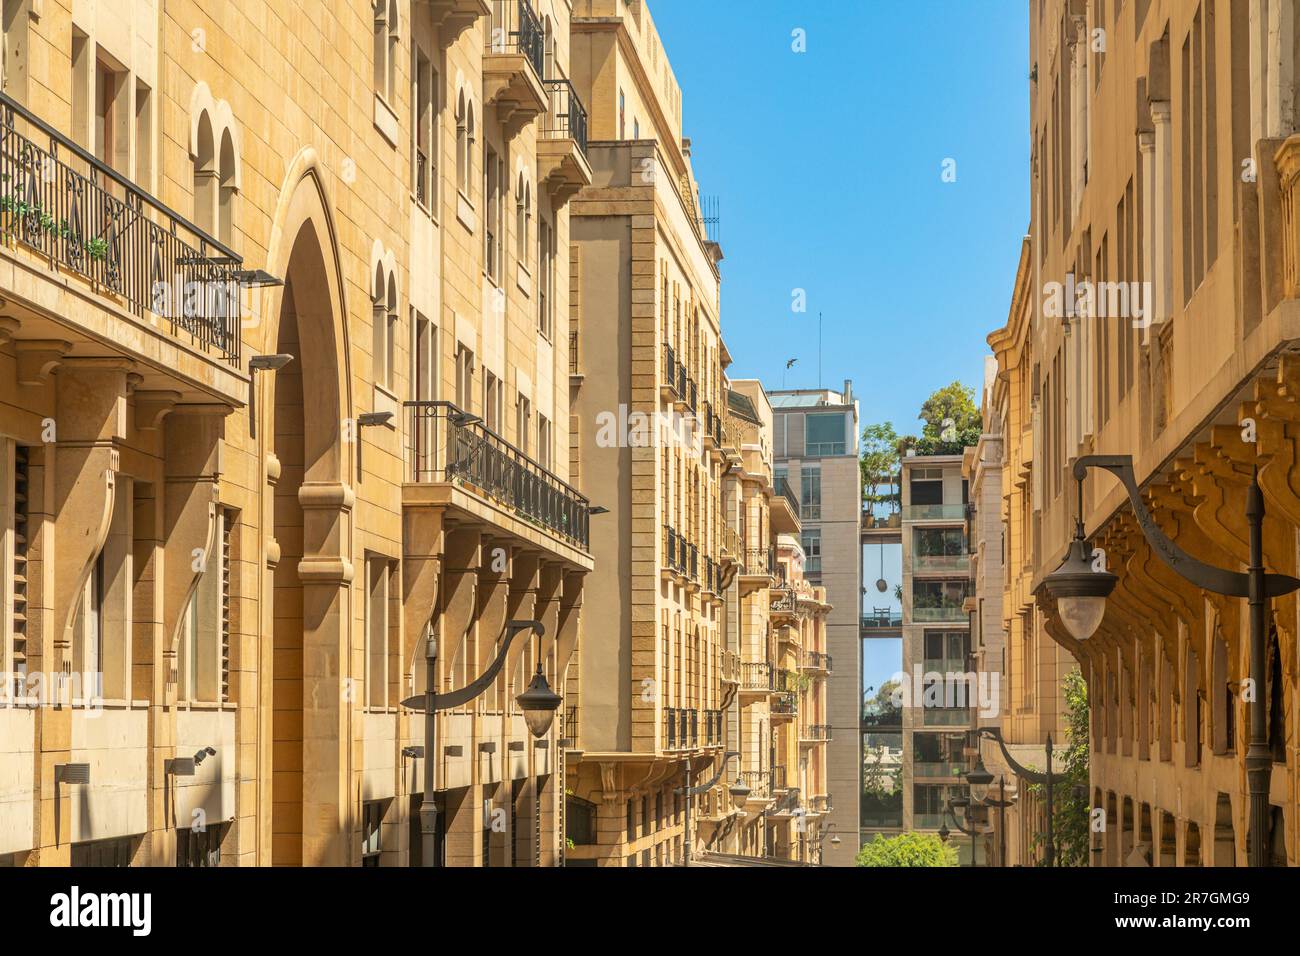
<point>670,367</point>
<point>566,117</point>
<point>573,351</point>
<point>817,732</point>
<point>757,675</point>
<point>783,601</point>
<point>515,28</point>
<point>571,724</point>
<point>670,728</point>
<point>421,177</point>
<point>785,704</point>
<point>86,219</point>
<point>759,783</point>
<point>712,728</point>
<point>444,444</point>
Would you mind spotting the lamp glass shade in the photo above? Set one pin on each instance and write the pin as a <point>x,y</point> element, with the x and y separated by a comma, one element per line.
<point>1081,615</point>
<point>739,794</point>
<point>979,779</point>
<point>538,704</point>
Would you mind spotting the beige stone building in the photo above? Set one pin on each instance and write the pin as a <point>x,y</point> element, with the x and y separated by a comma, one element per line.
<point>1168,159</point>
<point>247,562</point>
<point>1011,637</point>
<point>656,430</point>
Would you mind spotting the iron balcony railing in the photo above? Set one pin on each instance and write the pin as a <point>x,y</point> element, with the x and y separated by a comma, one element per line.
<point>677,553</point>
<point>573,351</point>
<point>759,783</point>
<point>515,28</point>
<point>444,444</point>
<point>670,728</point>
<point>670,367</point>
<point>681,381</point>
<point>818,661</point>
<point>421,177</point>
<point>785,704</point>
<point>693,562</point>
<point>778,778</point>
<point>817,732</point>
<point>566,117</point>
<point>571,724</point>
<point>86,219</point>
<point>757,675</point>
<point>712,728</point>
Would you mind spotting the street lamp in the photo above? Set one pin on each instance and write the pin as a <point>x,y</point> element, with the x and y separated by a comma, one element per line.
<point>1048,780</point>
<point>738,791</point>
<point>538,704</point>
<point>1079,598</point>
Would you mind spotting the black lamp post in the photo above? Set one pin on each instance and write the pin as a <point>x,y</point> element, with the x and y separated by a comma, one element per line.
<point>738,791</point>
<point>538,704</point>
<point>1081,594</point>
<point>1048,780</point>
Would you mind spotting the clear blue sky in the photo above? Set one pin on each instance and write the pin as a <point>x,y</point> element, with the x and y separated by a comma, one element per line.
<point>827,165</point>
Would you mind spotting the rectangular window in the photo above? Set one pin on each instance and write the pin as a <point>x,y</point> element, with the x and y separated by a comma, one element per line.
<point>492,401</point>
<point>810,498</point>
<point>200,848</point>
<point>544,454</point>
<point>824,435</point>
<point>204,666</point>
<point>812,551</point>
<point>546,279</point>
<point>523,423</point>
<point>13,643</point>
<point>622,115</point>
<point>144,146</point>
<point>379,631</point>
<point>372,819</point>
<point>492,216</point>
<point>424,159</point>
<point>464,378</point>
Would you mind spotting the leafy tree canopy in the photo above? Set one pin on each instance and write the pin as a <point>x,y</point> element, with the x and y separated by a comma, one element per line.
<point>951,421</point>
<point>907,849</point>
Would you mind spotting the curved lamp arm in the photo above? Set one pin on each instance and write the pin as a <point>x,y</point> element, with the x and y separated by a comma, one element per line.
<point>957,823</point>
<point>1019,769</point>
<point>706,787</point>
<point>1218,580</point>
<point>454,698</point>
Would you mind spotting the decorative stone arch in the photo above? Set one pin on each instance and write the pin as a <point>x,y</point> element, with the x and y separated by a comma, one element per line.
<point>215,147</point>
<point>315,508</point>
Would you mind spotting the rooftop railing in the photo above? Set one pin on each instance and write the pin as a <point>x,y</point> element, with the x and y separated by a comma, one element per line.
<point>445,444</point>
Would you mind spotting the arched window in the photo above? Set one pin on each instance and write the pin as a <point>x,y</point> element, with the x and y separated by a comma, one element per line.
<point>384,328</point>
<point>227,188</point>
<point>464,142</point>
<point>386,36</point>
<point>205,177</point>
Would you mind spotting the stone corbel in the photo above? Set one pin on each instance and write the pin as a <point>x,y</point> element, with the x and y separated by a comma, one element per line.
<point>8,329</point>
<point>152,406</point>
<point>566,638</point>
<point>192,469</point>
<point>457,600</point>
<point>521,601</point>
<point>90,417</point>
<point>38,358</point>
<point>422,547</point>
<point>493,587</point>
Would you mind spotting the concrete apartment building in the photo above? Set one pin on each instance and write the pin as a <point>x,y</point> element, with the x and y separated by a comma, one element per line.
<point>815,443</point>
<point>1137,175</point>
<point>249,565</point>
<point>936,640</point>
<point>1010,634</point>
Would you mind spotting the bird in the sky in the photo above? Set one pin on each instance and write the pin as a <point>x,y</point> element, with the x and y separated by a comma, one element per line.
<point>790,363</point>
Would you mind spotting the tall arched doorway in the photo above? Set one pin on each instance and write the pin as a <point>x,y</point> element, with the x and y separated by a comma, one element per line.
<point>308,725</point>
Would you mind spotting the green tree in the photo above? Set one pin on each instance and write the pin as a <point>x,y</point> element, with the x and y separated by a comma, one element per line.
<point>951,420</point>
<point>1071,804</point>
<point>879,464</point>
<point>907,849</point>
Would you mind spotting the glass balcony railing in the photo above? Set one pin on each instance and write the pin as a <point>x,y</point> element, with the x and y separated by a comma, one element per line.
<point>927,821</point>
<point>945,716</point>
<point>955,512</point>
<point>940,562</point>
<point>943,613</point>
<point>930,768</point>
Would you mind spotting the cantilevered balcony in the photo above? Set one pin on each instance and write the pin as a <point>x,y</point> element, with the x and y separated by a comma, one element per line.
<point>562,147</point>
<point>816,662</point>
<point>814,734</point>
<point>514,61</point>
<point>97,266</point>
<point>454,460</point>
<point>785,509</point>
<point>757,677</point>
